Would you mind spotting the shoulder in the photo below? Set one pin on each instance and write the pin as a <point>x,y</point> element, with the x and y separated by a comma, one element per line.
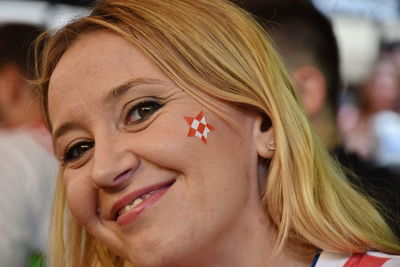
<point>368,259</point>
<point>15,147</point>
<point>24,159</point>
<point>24,142</point>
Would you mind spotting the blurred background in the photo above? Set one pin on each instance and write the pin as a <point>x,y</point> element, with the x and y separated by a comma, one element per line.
<point>362,27</point>
<point>368,37</point>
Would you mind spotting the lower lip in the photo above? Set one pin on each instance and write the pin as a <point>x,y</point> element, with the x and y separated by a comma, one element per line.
<point>131,215</point>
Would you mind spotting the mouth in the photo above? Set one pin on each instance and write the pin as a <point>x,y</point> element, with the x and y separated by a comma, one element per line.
<point>130,206</point>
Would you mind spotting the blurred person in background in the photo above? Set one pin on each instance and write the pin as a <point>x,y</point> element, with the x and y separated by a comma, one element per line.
<point>392,49</point>
<point>305,39</point>
<point>375,131</point>
<point>27,165</point>
<point>16,104</point>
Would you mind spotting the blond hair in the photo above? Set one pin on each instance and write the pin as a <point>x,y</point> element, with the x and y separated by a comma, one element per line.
<point>215,47</point>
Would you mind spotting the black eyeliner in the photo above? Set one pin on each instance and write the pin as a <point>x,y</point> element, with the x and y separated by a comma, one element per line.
<point>136,106</point>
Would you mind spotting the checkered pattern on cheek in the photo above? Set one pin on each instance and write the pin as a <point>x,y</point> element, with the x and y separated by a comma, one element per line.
<point>199,127</point>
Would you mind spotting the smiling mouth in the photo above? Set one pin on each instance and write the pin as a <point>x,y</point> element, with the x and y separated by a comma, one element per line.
<point>135,206</point>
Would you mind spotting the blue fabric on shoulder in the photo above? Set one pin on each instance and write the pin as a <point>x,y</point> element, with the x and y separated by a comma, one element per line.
<point>314,262</point>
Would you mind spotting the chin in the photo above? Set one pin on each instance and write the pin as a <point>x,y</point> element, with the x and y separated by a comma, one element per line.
<point>160,253</point>
<point>154,258</point>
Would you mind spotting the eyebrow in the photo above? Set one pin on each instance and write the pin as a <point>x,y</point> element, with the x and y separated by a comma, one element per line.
<point>63,129</point>
<point>115,92</point>
<point>120,90</point>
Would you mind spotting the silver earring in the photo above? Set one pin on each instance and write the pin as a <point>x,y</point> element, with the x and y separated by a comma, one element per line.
<point>271,146</point>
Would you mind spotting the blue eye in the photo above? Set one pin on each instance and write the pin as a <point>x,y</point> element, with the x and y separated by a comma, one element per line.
<point>77,150</point>
<point>142,111</point>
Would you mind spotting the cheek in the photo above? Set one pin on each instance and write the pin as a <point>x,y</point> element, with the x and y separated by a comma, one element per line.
<point>214,166</point>
<point>167,144</point>
<point>178,146</point>
<point>81,198</point>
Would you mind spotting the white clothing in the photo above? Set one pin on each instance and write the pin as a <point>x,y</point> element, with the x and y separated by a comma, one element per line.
<point>28,172</point>
<point>386,126</point>
<point>368,259</point>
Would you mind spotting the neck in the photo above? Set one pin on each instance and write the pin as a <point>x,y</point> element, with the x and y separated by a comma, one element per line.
<point>251,242</point>
<point>22,113</point>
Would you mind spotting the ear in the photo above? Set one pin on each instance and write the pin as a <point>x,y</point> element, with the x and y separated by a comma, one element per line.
<point>264,138</point>
<point>312,85</point>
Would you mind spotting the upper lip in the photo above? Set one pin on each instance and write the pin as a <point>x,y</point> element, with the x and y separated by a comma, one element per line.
<point>132,196</point>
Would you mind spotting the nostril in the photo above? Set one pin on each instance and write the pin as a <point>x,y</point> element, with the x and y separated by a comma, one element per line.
<point>122,176</point>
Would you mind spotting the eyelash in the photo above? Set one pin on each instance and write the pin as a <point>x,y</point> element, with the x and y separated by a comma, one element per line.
<point>72,154</point>
<point>77,150</point>
<point>150,106</point>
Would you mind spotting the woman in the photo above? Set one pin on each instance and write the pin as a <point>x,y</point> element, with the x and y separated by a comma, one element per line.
<point>373,133</point>
<point>182,143</point>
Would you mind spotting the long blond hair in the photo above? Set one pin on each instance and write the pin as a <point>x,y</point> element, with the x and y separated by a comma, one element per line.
<point>215,47</point>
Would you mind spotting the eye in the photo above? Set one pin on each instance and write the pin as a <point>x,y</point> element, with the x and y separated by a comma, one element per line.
<point>77,150</point>
<point>142,111</point>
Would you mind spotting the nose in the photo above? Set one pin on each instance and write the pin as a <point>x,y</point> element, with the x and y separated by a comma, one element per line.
<point>113,164</point>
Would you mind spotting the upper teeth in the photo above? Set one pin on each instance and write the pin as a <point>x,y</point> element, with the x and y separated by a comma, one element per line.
<point>135,203</point>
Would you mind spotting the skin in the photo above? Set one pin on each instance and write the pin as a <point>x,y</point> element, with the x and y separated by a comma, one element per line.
<point>382,90</point>
<point>312,86</point>
<point>212,214</point>
<point>17,106</point>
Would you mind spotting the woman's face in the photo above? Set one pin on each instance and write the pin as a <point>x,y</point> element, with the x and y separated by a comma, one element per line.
<point>133,177</point>
<point>383,90</point>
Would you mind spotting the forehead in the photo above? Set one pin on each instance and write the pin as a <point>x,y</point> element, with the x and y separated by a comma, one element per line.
<point>93,65</point>
<point>99,51</point>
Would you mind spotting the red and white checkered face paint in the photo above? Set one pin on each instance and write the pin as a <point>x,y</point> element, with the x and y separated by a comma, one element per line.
<point>199,127</point>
